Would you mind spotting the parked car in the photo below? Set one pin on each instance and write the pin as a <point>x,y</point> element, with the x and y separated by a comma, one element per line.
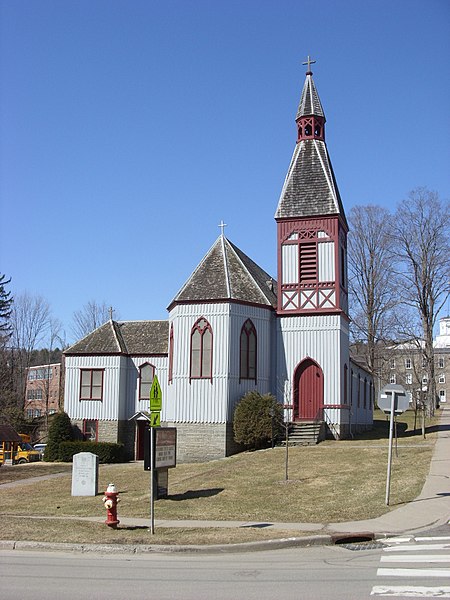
<point>40,448</point>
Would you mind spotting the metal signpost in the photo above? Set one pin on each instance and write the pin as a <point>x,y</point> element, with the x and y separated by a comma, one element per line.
<point>392,398</point>
<point>155,419</point>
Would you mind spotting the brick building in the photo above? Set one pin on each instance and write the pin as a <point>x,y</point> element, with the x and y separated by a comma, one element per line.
<point>43,390</point>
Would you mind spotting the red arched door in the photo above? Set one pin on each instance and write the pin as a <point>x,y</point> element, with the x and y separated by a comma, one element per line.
<point>308,391</point>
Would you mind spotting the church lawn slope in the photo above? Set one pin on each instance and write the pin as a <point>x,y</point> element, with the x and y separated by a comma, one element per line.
<point>333,481</point>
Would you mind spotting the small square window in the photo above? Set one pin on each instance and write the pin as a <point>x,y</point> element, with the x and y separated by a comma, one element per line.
<point>393,379</point>
<point>442,378</point>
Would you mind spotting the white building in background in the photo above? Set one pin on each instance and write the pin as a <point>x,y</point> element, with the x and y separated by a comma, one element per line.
<point>232,328</point>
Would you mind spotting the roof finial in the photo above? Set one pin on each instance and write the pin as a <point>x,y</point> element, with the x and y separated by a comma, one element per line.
<point>309,62</point>
<point>222,226</point>
<point>111,310</point>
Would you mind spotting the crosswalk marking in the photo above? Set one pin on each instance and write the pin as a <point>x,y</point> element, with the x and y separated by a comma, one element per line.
<point>430,558</point>
<point>415,558</point>
<point>417,548</point>
<point>413,572</point>
<point>411,591</point>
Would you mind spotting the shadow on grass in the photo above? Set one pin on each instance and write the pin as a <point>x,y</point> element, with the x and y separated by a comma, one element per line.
<point>193,494</point>
<point>380,430</point>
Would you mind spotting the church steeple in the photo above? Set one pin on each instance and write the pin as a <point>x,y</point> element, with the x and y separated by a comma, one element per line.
<point>310,117</point>
<point>312,228</point>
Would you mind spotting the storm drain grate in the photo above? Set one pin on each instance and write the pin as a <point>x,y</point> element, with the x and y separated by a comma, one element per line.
<point>357,542</point>
<point>372,545</point>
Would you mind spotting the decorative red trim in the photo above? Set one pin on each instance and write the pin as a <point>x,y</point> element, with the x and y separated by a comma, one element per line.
<point>170,354</point>
<point>219,301</point>
<point>201,331</point>
<point>85,421</point>
<point>248,331</point>
<point>90,398</point>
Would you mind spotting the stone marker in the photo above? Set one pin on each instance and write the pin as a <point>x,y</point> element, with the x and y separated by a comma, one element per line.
<point>85,474</point>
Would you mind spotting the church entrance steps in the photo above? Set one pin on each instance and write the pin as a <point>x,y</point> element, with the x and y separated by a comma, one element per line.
<point>306,433</point>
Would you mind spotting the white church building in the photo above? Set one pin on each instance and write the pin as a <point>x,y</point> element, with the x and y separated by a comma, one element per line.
<point>232,328</point>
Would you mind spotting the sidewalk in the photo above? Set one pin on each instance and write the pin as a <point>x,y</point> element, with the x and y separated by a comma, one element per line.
<point>430,509</point>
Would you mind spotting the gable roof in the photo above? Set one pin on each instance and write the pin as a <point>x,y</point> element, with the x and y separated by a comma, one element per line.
<point>226,273</point>
<point>124,337</point>
<point>8,434</point>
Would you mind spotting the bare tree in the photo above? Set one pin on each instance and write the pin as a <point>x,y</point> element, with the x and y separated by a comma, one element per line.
<point>30,321</point>
<point>91,316</point>
<point>373,295</point>
<point>421,232</point>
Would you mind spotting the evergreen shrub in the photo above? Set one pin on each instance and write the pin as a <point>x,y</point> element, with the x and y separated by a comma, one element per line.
<point>107,452</point>
<point>60,430</point>
<point>254,417</point>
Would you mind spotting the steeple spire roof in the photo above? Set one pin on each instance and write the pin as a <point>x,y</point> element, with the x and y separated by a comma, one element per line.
<point>310,188</point>
<point>309,102</point>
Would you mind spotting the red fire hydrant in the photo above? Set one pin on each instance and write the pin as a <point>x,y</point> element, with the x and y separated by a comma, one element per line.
<point>110,501</point>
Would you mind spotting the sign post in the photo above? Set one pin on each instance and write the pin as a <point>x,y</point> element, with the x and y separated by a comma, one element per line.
<point>393,398</point>
<point>155,420</point>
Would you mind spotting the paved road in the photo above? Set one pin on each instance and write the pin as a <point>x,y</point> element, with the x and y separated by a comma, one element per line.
<point>406,567</point>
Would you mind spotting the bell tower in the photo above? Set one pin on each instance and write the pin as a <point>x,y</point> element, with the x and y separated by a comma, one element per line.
<point>312,305</point>
<point>312,228</point>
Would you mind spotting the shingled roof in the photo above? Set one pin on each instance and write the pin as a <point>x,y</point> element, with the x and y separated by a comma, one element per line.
<point>225,274</point>
<point>309,102</point>
<point>310,187</point>
<point>124,337</point>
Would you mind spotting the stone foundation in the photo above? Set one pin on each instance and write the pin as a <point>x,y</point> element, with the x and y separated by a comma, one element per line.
<point>200,442</point>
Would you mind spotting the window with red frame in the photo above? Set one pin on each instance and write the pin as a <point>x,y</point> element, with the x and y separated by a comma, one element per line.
<point>248,351</point>
<point>90,430</point>
<point>91,387</point>
<point>201,350</point>
<point>170,354</point>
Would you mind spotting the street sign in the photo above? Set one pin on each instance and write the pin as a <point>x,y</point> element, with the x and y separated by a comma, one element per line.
<point>155,395</point>
<point>155,419</point>
<point>401,400</point>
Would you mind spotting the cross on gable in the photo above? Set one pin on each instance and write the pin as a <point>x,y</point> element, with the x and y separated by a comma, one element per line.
<point>222,226</point>
<point>309,62</point>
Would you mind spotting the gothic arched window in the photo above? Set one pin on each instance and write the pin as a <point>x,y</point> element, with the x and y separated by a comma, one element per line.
<point>248,351</point>
<point>201,350</point>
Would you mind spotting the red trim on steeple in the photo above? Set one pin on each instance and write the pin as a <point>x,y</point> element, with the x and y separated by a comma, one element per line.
<point>311,127</point>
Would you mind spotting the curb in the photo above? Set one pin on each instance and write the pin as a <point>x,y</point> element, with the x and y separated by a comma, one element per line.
<point>140,549</point>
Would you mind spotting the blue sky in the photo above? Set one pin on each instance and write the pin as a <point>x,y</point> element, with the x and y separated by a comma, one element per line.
<point>130,129</point>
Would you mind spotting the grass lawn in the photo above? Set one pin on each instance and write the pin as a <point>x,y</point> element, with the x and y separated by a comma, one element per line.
<point>330,482</point>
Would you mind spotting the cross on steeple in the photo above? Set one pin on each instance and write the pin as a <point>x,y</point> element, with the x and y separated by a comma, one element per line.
<point>309,62</point>
<point>111,310</point>
<point>222,226</point>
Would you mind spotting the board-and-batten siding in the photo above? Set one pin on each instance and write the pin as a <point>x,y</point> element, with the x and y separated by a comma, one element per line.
<point>198,400</point>
<point>114,376</point>
<point>290,263</point>
<point>133,404</point>
<point>263,321</point>
<point>203,400</point>
<point>120,386</point>
<point>326,260</point>
<point>321,338</point>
